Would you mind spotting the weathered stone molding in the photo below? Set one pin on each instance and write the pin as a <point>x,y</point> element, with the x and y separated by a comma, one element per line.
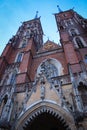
<point>48,107</point>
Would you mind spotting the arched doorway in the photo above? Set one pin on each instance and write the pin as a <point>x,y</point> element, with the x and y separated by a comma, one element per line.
<point>45,116</point>
<point>46,121</point>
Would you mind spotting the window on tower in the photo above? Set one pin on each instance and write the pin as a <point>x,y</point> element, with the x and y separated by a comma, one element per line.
<point>85,58</point>
<point>28,33</point>
<point>24,43</point>
<point>68,22</point>
<point>73,32</point>
<point>19,57</point>
<point>5,99</point>
<point>13,76</point>
<point>12,79</point>
<point>64,15</point>
<point>61,27</point>
<point>79,42</point>
<point>2,103</point>
<point>83,94</point>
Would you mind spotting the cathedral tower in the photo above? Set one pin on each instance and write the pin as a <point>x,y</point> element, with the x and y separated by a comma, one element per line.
<point>72,30</point>
<point>44,86</point>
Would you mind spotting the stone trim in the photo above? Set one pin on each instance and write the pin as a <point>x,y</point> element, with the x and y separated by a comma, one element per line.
<point>47,110</point>
<point>48,107</point>
<point>48,53</point>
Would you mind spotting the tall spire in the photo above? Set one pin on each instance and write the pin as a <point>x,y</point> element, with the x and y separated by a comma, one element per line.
<point>59,9</point>
<point>36,16</point>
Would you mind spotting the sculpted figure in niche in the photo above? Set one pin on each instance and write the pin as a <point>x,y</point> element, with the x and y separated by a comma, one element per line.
<point>42,92</point>
<point>42,81</point>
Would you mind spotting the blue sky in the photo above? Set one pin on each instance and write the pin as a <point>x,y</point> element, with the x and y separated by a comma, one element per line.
<point>13,12</point>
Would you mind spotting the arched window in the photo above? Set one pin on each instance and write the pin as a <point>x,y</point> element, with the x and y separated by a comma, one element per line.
<point>12,80</point>
<point>61,27</point>
<point>28,33</point>
<point>19,57</point>
<point>24,43</point>
<point>2,103</point>
<point>51,67</point>
<point>5,99</point>
<point>85,58</point>
<point>73,32</point>
<point>79,42</point>
<point>83,93</point>
<point>68,22</point>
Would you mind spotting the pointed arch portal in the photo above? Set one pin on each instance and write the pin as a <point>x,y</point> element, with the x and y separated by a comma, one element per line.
<point>46,121</point>
<point>45,116</point>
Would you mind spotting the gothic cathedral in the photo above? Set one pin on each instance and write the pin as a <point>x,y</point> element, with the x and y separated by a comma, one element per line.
<point>44,86</point>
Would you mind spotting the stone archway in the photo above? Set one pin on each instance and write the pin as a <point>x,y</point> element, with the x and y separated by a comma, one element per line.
<point>50,112</point>
<point>46,121</point>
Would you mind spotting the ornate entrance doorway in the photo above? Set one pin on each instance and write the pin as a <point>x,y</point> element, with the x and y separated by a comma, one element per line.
<point>46,121</point>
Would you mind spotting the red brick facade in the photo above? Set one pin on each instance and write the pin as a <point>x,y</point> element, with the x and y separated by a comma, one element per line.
<point>25,53</point>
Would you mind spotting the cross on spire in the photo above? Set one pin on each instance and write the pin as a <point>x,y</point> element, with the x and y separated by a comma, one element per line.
<point>59,9</point>
<point>36,16</point>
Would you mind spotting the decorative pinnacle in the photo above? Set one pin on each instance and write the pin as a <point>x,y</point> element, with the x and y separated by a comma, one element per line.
<point>36,16</point>
<point>59,9</point>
